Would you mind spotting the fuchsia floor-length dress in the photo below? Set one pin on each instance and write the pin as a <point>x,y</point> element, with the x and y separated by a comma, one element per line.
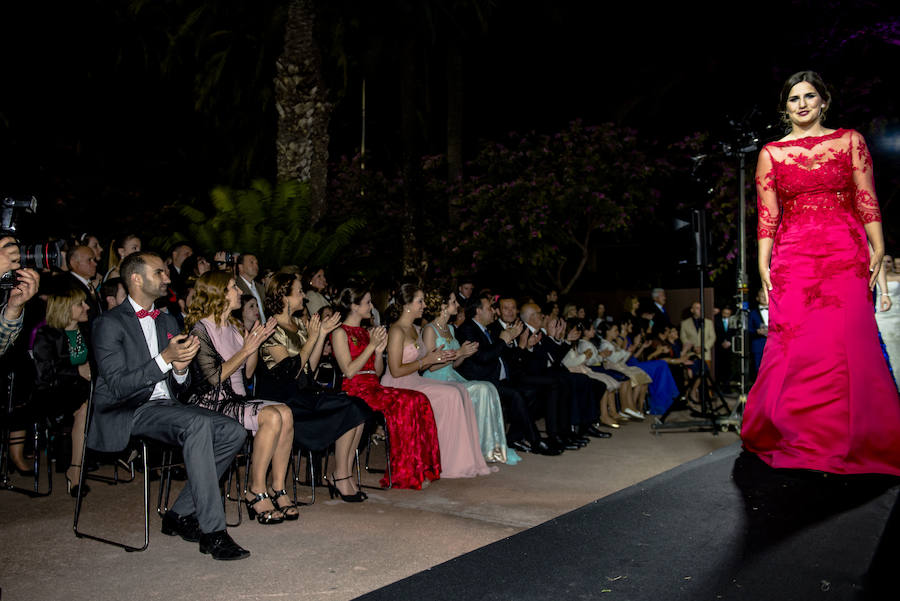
<point>824,399</point>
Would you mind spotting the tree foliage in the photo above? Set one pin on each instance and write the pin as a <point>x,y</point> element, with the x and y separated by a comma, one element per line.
<point>274,223</point>
<point>539,203</point>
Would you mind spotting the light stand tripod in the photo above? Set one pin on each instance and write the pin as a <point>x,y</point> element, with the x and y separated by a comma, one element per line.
<point>707,415</point>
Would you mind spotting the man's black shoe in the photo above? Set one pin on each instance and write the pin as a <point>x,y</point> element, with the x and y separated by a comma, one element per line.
<point>546,447</point>
<point>220,546</point>
<point>592,431</point>
<point>186,527</point>
<point>521,446</point>
<point>564,443</point>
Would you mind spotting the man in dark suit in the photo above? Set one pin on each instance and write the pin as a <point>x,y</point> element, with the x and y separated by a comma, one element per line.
<point>487,365</point>
<point>464,292</point>
<point>142,365</point>
<point>247,270</point>
<point>82,268</point>
<point>660,315</point>
<point>180,252</point>
<point>758,328</point>
<point>725,331</point>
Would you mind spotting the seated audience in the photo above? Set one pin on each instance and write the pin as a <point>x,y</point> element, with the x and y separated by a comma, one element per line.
<point>118,250</point>
<point>576,361</point>
<point>225,358</point>
<point>247,270</point>
<point>136,394</point>
<point>414,453</point>
<point>248,313</point>
<point>316,289</point>
<point>291,356</point>
<point>441,306</point>
<point>63,373</point>
<point>112,293</point>
<point>454,413</point>
<point>615,358</point>
<point>498,360</point>
<point>82,268</point>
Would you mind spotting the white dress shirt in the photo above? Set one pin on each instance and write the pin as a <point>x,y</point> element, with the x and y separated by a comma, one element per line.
<point>148,325</point>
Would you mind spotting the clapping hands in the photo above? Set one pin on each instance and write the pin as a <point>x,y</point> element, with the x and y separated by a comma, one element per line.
<point>378,338</point>
<point>256,335</point>
<point>467,349</point>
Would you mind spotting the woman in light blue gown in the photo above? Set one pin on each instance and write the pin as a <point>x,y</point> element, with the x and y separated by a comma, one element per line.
<point>441,306</point>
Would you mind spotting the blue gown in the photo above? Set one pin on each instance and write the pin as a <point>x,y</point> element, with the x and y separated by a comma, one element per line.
<point>663,390</point>
<point>486,399</point>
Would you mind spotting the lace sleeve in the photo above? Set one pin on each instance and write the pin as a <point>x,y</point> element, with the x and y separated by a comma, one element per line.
<point>865,201</point>
<point>768,209</point>
<point>208,363</point>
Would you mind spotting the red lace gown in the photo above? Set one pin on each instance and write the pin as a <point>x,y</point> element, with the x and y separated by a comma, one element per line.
<point>415,455</point>
<point>824,399</point>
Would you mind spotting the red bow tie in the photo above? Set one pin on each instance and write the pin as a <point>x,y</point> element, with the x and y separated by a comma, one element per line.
<point>144,313</point>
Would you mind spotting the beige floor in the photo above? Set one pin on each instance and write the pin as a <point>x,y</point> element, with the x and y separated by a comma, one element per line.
<point>337,550</point>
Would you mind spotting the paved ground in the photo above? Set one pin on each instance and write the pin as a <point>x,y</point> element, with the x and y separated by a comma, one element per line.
<point>336,550</point>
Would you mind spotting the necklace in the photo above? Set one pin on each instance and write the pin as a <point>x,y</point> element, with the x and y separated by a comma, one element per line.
<point>444,330</point>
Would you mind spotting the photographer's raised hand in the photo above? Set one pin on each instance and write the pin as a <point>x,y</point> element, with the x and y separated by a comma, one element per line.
<point>9,254</point>
<point>23,291</point>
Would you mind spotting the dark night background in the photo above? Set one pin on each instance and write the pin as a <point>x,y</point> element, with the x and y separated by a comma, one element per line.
<point>106,117</point>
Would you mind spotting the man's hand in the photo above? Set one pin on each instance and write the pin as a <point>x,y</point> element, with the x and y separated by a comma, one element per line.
<point>180,351</point>
<point>9,254</point>
<point>22,292</point>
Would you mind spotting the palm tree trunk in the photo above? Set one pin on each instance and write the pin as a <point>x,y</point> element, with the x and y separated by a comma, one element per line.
<point>303,109</point>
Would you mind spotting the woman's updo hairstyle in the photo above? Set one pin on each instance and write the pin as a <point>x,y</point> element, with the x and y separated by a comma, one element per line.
<point>353,294</point>
<point>279,286</point>
<point>812,78</point>
<point>435,300</point>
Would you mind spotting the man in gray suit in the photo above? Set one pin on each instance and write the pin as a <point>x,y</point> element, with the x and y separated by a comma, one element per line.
<point>142,362</point>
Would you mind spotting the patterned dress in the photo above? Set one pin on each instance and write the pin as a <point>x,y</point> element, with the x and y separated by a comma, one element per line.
<point>415,455</point>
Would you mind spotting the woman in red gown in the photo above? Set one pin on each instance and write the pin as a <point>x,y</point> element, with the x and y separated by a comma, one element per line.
<point>823,399</point>
<point>415,456</point>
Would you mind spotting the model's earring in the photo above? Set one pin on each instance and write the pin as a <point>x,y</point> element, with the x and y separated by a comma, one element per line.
<point>288,307</point>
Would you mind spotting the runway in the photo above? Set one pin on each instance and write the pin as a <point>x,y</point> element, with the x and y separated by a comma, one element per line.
<point>724,526</point>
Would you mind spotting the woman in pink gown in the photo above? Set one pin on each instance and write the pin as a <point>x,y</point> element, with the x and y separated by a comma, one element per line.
<point>454,412</point>
<point>823,399</point>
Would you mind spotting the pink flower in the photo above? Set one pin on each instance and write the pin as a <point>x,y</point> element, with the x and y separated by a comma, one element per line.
<point>169,335</point>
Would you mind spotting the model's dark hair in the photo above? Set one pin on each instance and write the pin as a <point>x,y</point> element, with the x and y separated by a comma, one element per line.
<point>353,294</point>
<point>279,286</point>
<point>134,263</point>
<point>811,77</point>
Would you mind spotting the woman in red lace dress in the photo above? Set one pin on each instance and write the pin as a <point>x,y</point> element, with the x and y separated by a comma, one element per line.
<point>415,456</point>
<point>823,399</point>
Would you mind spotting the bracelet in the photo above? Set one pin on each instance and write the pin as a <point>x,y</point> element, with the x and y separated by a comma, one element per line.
<point>885,294</point>
<point>180,373</point>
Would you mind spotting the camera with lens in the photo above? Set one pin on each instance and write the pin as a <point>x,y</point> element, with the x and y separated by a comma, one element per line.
<point>41,255</point>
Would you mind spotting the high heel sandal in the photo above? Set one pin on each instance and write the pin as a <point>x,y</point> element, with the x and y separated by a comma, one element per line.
<point>267,516</point>
<point>333,490</point>
<point>284,509</point>
<point>74,489</point>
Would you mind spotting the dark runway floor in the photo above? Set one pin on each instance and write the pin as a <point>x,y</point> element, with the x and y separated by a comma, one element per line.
<point>725,526</point>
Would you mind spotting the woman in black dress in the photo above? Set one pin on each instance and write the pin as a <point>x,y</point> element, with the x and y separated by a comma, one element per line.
<point>291,356</point>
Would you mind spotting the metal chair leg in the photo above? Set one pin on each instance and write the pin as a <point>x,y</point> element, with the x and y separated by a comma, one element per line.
<point>146,496</point>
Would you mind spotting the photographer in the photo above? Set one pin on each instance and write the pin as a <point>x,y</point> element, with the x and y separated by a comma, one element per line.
<point>11,314</point>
